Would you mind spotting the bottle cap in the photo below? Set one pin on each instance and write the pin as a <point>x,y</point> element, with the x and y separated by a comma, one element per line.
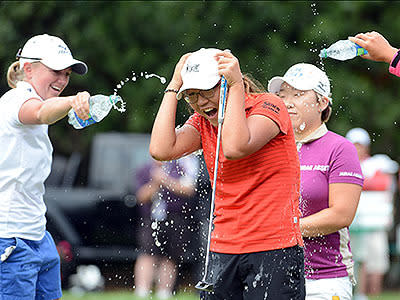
<point>323,53</point>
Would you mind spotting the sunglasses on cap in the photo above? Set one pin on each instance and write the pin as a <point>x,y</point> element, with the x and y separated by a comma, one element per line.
<point>18,56</point>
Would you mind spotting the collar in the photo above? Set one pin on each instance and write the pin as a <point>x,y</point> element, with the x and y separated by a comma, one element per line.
<point>315,135</point>
<point>28,87</point>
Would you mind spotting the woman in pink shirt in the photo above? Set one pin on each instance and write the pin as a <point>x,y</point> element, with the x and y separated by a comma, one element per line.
<point>331,181</point>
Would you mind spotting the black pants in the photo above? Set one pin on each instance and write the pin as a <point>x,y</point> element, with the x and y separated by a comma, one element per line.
<point>268,275</point>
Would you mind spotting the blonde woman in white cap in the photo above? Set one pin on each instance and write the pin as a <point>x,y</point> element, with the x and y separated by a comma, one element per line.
<point>331,182</point>
<point>30,265</point>
<point>256,245</point>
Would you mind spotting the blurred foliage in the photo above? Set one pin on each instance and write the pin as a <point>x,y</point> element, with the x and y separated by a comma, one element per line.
<point>118,38</point>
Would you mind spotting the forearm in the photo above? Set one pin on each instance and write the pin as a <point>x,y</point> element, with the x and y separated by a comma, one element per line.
<point>235,132</point>
<point>324,222</point>
<point>54,109</point>
<point>146,192</point>
<point>163,135</point>
<point>178,186</point>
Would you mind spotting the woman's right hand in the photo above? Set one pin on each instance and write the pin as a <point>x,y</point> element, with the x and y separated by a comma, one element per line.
<point>80,104</point>
<point>176,81</point>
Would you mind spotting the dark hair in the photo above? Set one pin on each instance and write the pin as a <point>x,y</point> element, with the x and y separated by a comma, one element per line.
<point>326,113</point>
<point>252,85</point>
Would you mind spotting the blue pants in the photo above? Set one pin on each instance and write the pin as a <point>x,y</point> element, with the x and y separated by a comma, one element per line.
<point>29,270</point>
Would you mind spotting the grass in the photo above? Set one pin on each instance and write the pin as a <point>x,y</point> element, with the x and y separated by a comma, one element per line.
<point>387,296</point>
<point>123,295</point>
<point>126,295</point>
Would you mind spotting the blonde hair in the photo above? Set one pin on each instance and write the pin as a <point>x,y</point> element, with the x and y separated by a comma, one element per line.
<point>14,74</point>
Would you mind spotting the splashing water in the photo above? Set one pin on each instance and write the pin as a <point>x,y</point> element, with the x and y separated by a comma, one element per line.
<point>134,78</point>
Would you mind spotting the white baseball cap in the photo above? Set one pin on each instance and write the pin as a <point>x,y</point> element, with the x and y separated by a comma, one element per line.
<point>200,71</point>
<point>303,77</point>
<point>50,51</point>
<point>359,136</point>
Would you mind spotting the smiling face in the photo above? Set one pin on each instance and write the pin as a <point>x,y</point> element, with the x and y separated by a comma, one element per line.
<point>205,102</point>
<point>47,82</point>
<point>304,108</point>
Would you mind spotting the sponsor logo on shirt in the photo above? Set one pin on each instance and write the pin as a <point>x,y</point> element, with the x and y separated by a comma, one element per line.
<point>271,106</point>
<point>351,174</point>
<point>322,168</point>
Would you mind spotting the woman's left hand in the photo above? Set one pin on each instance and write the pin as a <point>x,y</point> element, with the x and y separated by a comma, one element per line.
<point>228,66</point>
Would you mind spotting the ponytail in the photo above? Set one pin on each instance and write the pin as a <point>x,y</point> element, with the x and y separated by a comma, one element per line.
<point>14,74</point>
<point>252,85</point>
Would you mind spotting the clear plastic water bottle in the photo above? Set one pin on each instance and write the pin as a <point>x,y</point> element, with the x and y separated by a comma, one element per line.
<point>343,50</point>
<point>99,107</point>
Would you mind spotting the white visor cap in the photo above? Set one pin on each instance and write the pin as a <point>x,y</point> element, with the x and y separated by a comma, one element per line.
<point>200,71</point>
<point>52,52</point>
<point>359,136</point>
<point>303,77</point>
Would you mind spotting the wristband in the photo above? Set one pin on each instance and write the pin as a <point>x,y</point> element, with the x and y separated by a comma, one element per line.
<point>171,91</point>
<point>395,60</point>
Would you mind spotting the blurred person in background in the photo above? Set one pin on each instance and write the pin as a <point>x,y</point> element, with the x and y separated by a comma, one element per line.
<point>379,49</point>
<point>331,182</point>
<point>255,244</point>
<point>30,264</point>
<point>165,191</point>
<point>374,217</point>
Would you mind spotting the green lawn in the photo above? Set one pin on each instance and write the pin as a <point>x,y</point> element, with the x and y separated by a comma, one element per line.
<point>124,295</point>
<point>387,296</point>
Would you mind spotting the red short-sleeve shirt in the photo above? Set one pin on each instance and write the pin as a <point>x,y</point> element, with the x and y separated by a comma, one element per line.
<point>257,197</point>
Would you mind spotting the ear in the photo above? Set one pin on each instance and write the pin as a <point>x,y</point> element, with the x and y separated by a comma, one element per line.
<point>28,70</point>
<point>323,102</point>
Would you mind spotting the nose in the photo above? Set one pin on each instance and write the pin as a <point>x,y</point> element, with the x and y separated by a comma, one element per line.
<point>63,78</point>
<point>201,100</point>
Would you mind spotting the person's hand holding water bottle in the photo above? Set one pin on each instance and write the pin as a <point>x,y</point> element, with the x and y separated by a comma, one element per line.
<point>377,46</point>
<point>80,104</point>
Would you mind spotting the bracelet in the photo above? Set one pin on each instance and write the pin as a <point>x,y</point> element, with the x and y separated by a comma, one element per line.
<point>396,59</point>
<point>171,91</point>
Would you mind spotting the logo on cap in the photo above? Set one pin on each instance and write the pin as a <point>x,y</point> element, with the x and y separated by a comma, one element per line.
<point>193,68</point>
<point>63,50</point>
<point>321,86</point>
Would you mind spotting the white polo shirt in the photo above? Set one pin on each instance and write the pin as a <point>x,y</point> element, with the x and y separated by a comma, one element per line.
<point>25,162</point>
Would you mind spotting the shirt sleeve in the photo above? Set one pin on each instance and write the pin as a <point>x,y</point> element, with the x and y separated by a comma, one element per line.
<point>23,93</point>
<point>195,121</point>
<point>272,106</point>
<point>345,165</point>
<point>394,66</point>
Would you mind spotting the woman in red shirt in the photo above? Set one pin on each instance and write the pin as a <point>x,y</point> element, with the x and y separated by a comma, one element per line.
<point>256,245</point>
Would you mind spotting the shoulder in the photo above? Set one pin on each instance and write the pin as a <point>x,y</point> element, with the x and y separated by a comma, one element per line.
<point>337,146</point>
<point>336,140</point>
<point>263,99</point>
<point>265,103</point>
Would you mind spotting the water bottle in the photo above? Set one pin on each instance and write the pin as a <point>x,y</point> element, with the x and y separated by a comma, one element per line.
<point>99,107</point>
<point>343,50</point>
